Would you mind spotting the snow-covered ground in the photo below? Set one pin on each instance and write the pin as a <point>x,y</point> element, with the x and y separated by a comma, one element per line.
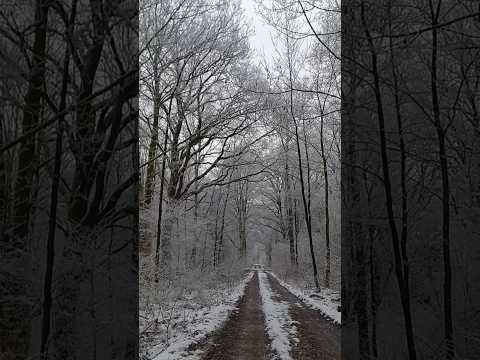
<point>280,326</point>
<point>327,302</point>
<point>182,324</point>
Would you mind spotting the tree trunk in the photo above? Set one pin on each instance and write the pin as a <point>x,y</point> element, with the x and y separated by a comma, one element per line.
<point>169,222</point>
<point>404,294</point>
<point>242,237</point>
<point>152,153</point>
<point>289,206</point>
<point>297,229</point>
<point>172,195</point>
<point>31,119</point>
<point>160,200</point>
<point>52,226</point>
<point>196,245</point>
<point>269,253</point>
<point>327,211</point>
<point>371,267</point>
<point>306,202</point>
<point>84,151</point>
<point>242,217</point>
<point>308,222</point>
<point>215,233</point>
<point>352,283</point>
<point>222,227</point>
<point>52,221</point>
<point>447,285</point>
<point>403,175</point>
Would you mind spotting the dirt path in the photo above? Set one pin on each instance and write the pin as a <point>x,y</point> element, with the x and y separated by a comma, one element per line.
<point>319,337</point>
<point>243,337</point>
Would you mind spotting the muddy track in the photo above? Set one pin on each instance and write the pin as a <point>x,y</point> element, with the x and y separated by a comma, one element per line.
<point>243,337</point>
<point>319,337</point>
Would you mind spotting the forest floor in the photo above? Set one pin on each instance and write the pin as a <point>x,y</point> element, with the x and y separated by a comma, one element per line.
<point>270,322</point>
<point>260,317</point>
<point>243,337</point>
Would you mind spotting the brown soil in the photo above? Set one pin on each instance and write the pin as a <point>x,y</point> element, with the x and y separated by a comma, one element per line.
<point>243,337</point>
<point>319,337</point>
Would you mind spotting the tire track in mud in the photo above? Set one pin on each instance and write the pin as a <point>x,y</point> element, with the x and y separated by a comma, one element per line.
<point>319,337</point>
<point>243,336</point>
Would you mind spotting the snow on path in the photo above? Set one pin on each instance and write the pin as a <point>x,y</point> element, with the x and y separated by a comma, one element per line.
<point>212,319</point>
<point>280,326</point>
<point>327,303</point>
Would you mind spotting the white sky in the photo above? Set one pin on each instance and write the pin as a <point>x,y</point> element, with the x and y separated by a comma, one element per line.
<point>260,40</point>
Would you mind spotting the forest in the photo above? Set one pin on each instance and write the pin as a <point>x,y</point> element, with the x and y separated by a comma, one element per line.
<point>239,151</point>
<point>410,179</point>
<point>68,179</point>
<point>239,179</point>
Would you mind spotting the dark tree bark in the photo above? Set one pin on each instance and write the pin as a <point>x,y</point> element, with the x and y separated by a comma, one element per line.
<point>31,119</point>
<point>160,200</point>
<point>442,154</point>
<point>52,221</point>
<point>404,292</point>
<point>222,228</point>
<point>297,229</point>
<point>196,245</point>
<point>152,153</point>
<point>289,216</point>
<point>242,202</point>
<point>327,210</point>
<point>308,219</point>
<point>85,149</point>
<point>306,202</point>
<point>215,233</point>
<point>403,176</point>
<point>175,184</point>
<point>369,187</point>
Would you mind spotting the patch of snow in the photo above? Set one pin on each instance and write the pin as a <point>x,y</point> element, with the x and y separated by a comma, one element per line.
<point>280,326</point>
<point>197,323</point>
<point>327,301</point>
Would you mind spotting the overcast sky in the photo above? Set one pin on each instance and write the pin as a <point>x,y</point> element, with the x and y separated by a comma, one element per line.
<point>260,41</point>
